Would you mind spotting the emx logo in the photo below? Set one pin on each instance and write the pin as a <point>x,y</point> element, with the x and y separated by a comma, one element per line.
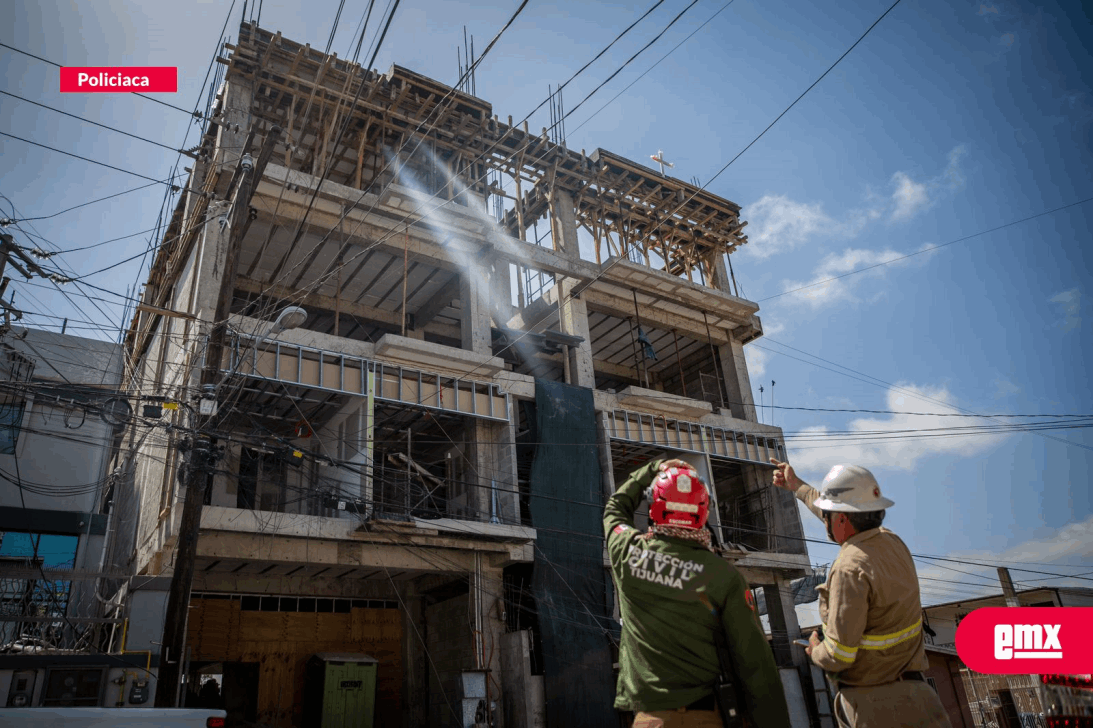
<point>1024,640</point>
<point>1030,641</point>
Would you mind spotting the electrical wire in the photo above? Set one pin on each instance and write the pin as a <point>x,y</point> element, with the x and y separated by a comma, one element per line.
<point>89,121</point>
<point>87,159</point>
<point>143,96</point>
<point>624,65</point>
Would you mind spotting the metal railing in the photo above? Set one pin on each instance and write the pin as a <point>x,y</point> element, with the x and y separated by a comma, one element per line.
<point>343,373</point>
<point>681,435</point>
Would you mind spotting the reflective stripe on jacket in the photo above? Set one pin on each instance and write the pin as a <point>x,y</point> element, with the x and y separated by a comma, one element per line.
<point>870,607</point>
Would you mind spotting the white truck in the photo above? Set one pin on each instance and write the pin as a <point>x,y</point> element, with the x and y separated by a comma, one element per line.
<point>111,718</point>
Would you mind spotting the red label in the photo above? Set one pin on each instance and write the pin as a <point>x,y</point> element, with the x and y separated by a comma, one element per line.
<point>1026,640</point>
<point>88,79</point>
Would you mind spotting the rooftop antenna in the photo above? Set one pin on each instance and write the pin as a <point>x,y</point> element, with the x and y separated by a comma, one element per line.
<point>659,159</point>
<point>760,402</point>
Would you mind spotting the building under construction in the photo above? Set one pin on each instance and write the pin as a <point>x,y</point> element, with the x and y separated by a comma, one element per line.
<point>496,329</point>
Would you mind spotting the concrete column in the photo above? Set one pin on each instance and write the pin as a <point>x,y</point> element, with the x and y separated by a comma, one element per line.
<point>783,623</point>
<point>474,299</point>
<point>235,112</point>
<point>607,476</point>
<point>730,379</point>
<point>508,495</point>
<point>572,312</point>
<point>720,279</point>
<point>207,267</point>
<point>195,182</point>
<point>347,436</point>
<point>486,597</point>
<point>501,291</point>
<point>415,664</point>
<point>734,375</point>
<point>492,455</point>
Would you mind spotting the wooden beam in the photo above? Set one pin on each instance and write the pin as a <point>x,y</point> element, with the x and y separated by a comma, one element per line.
<point>164,311</point>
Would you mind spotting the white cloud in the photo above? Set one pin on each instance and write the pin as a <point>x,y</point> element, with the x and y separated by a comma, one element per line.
<point>835,265</point>
<point>1070,303</point>
<point>777,224</point>
<point>912,197</point>
<point>756,359</point>
<point>909,197</point>
<point>1067,546</point>
<point>883,442</point>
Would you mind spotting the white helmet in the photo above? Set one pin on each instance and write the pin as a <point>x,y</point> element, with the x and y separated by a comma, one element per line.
<point>851,489</point>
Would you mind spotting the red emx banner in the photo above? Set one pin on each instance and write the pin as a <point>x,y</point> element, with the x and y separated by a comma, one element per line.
<point>1027,640</point>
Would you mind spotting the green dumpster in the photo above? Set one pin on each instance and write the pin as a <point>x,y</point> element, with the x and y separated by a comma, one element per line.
<point>340,690</point>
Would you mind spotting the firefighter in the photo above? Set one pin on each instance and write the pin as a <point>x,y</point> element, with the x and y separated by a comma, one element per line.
<point>674,592</point>
<point>872,647</point>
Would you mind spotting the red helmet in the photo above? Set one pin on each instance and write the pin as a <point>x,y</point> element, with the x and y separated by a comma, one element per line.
<point>679,498</point>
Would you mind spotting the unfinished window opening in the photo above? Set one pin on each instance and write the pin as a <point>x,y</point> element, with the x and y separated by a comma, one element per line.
<point>626,353</point>
<point>420,466</point>
<point>744,504</point>
<point>527,438</point>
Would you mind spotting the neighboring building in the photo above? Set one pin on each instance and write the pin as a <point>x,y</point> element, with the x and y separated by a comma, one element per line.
<point>944,618</point>
<point>994,699</point>
<point>946,675</point>
<point>498,329</point>
<point>975,700</point>
<point>60,416</point>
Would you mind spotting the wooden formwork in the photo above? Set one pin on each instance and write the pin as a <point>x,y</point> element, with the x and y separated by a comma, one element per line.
<point>282,642</point>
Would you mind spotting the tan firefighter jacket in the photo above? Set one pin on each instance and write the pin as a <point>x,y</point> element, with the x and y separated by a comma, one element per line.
<point>870,607</point>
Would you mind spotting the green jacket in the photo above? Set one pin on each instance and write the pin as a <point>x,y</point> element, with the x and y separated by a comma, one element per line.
<point>667,657</point>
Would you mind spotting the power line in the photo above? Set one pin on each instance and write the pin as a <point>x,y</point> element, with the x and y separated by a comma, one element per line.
<point>89,121</point>
<point>595,58</point>
<point>646,71</point>
<point>625,64</point>
<point>87,159</point>
<point>880,382</point>
<point>167,181</point>
<point>143,96</point>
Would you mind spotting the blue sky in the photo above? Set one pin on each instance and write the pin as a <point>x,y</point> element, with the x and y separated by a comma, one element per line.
<point>949,119</point>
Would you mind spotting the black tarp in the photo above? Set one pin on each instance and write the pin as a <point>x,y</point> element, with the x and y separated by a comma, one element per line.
<point>569,581</point>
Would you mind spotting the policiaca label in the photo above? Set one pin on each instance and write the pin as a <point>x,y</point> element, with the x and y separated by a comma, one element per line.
<point>661,568</point>
<point>99,79</point>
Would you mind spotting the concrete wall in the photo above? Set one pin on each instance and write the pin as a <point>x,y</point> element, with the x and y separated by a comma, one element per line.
<point>61,444</point>
<point>945,671</point>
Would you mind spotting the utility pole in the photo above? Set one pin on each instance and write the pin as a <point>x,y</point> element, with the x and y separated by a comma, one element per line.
<point>12,253</point>
<point>203,452</point>
<point>1007,587</point>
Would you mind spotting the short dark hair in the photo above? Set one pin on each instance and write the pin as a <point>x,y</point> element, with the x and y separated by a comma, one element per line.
<point>865,521</point>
